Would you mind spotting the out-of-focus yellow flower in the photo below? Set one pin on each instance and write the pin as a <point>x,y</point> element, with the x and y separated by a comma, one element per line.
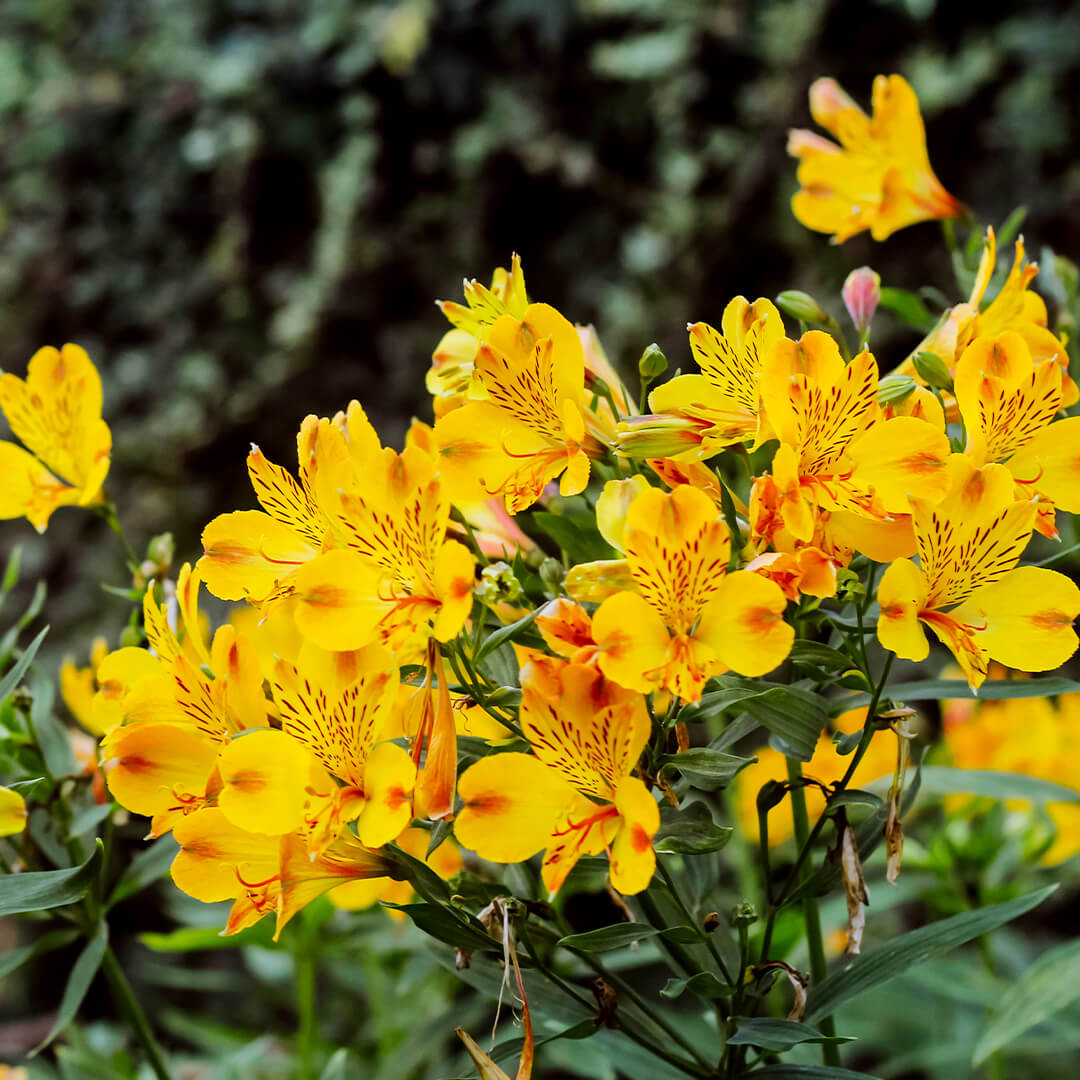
<point>574,794</point>
<point>78,685</point>
<point>1032,736</point>
<point>12,812</point>
<point>826,766</point>
<point>56,413</point>
<point>879,177</point>
<point>968,588</point>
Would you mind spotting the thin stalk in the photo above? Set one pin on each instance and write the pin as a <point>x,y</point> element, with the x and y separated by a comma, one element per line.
<point>692,922</point>
<point>830,1055</point>
<point>133,1013</point>
<point>108,512</point>
<point>304,959</point>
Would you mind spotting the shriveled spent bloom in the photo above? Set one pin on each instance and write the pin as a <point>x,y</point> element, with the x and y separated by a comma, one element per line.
<point>879,177</point>
<point>56,413</point>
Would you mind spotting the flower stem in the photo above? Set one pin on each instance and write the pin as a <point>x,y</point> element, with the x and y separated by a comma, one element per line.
<point>133,1013</point>
<point>830,1055</point>
<point>304,959</point>
<point>108,512</point>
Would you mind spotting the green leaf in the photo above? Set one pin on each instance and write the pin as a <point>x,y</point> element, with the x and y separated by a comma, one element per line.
<point>991,690</point>
<point>198,938</point>
<point>690,830</point>
<point>608,938</point>
<point>1045,988</point>
<point>78,983</point>
<point>54,939</point>
<point>857,797</point>
<point>41,889</point>
<point>1010,227</point>
<point>150,864</point>
<point>817,655</point>
<point>796,716</point>
<point>779,1035</point>
<point>11,570</point>
<point>873,968</point>
<point>579,544</point>
<point>439,923</point>
<point>53,737</point>
<point>90,819</point>
<point>810,1072</point>
<point>18,669</point>
<point>682,935</point>
<point>341,1066</point>
<point>422,878</point>
<point>705,768</point>
<point>944,780</point>
<point>908,306</point>
<point>704,984</point>
<point>503,635</point>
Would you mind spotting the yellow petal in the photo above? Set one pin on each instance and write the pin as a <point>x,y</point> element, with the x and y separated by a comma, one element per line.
<point>339,606</point>
<point>1025,620</point>
<point>248,554</point>
<point>238,677</point>
<point>901,459</point>
<point>28,489</point>
<point>512,802</point>
<point>389,778</point>
<point>613,506</point>
<point>744,624</point>
<point>265,774</point>
<point>902,594</point>
<point>216,857</point>
<point>632,641</point>
<point>12,812</point>
<point>633,861</point>
<point>455,576</point>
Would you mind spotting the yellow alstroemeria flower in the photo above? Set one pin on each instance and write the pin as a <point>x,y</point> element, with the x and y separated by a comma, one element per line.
<point>12,812</point>
<point>533,427</point>
<point>56,413</point>
<point>574,794</point>
<point>1015,308</point>
<point>681,617</point>
<point>969,589</point>
<point>721,406</point>
<point>879,177</point>
<point>78,685</point>
<point>1008,404</point>
<point>254,555</point>
<point>392,577</point>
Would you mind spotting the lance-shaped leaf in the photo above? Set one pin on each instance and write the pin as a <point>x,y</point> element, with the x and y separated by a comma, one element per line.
<point>771,1033</point>
<point>690,830</point>
<point>878,966</point>
<point>78,983</point>
<point>608,938</point>
<point>41,889</point>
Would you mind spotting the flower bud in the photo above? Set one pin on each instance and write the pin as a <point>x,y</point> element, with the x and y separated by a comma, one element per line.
<point>932,370</point>
<point>802,306</point>
<point>653,363</point>
<point>862,293</point>
<point>895,388</point>
<point>498,585</point>
<point>743,914</point>
<point>160,551</point>
<point>552,575</point>
<point>130,637</point>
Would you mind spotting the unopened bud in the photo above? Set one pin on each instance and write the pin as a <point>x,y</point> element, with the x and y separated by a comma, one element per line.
<point>802,306</point>
<point>160,551</point>
<point>743,914</point>
<point>130,637</point>
<point>659,435</point>
<point>710,922</point>
<point>552,574</point>
<point>771,794</point>
<point>895,388</point>
<point>653,363</point>
<point>862,294</point>
<point>932,370</point>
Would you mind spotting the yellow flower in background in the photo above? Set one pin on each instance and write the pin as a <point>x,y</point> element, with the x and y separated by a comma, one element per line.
<point>574,794</point>
<point>12,812</point>
<point>879,177</point>
<point>968,588</point>
<point>56,413</point>
<point>722,404</point>
<point>826,766</point>
<point>79,685</point>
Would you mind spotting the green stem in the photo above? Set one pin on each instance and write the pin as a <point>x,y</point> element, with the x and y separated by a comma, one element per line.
<point>304,959</point>
<point>830,1055</point>
<point>108,512</point>
<point>692,922</point>
<point>133,1013</point>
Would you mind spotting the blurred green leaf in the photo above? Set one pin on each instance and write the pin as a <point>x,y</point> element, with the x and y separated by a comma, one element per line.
<point>147,867</point>
<point>78,983</point>
<point>54,939</point>
<point>908,307</point>
<point>14,675</point>
<point>771,1033</point>
<point>608,938</point>
<point>690,830</point>
<point>704,768</point>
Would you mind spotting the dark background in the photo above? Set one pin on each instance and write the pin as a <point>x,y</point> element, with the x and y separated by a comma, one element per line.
<point>244,210</point>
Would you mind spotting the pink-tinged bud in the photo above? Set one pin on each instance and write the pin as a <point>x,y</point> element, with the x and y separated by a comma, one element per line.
<point>862,294</point>
<point>828,100</point>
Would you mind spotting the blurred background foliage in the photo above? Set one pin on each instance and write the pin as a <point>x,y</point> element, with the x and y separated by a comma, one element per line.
<point>244,208</point>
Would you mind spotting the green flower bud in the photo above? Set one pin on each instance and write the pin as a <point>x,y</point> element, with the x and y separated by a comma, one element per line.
<point>498,585</point>
<point>802,306</point>
<point>552,574</point>
<point>653,363</point>
<point>161,550</point>
<point>932,370</point>
<point>895,388</point>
